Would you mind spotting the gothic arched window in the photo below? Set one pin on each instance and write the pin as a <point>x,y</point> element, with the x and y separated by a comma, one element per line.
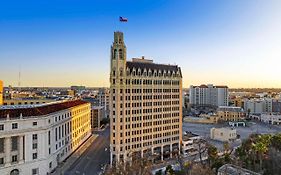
<point>114,54</point>
<point>120,54</point>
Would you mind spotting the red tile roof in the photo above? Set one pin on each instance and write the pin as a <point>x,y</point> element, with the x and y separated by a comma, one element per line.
<point>40,110</point>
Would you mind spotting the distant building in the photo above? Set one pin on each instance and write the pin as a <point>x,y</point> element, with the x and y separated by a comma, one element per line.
<point>1,93</point>
<point>230,113</point>
<point>93,101</point>
<point>276,105</point>
<point>28,101</point>
<point>103,97</point>
<point>229,169</point>
<point>208,95</point>
<point>36,139</point>
<point>271,118</point>
<point>238,102</point>
<point>223,134</point>
<point>97,114</point>
<point>78,88</point>
<point>258,106</point>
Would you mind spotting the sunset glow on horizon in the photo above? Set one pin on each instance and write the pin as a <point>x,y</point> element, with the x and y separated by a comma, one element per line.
<point>59,44</point>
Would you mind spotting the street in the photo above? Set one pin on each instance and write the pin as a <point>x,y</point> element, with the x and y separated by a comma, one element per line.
<point>92,160</point>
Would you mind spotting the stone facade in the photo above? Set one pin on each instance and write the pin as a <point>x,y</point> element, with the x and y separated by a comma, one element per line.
<point>145,108</point>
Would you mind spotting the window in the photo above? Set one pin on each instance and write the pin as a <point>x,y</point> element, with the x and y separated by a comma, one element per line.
<point>49,137</point>
<point>34,137</point>
<point>14,125</point>
<point>34,123</point>
<point>35,171</point>
<point>14,158</point>
<point>50,165</point>
<point>34,146</point>
<point>1,127</point>
<point>1,161</point>
<point>1,145</point>
<point>14,143</point>
<point>34,156</point>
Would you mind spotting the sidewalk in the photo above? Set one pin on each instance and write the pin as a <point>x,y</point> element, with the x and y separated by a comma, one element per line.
<point>66,164</point>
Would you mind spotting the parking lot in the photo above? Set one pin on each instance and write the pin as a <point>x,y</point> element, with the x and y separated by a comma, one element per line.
<point>244,132</point>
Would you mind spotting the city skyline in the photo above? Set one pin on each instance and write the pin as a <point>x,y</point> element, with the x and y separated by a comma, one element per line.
<point>234,43</point>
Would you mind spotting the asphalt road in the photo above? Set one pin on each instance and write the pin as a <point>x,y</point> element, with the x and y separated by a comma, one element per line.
<point>93,158</point>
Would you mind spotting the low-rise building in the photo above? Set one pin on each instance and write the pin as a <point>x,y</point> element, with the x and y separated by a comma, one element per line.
<point>271,118</point>
<point>97,114</point>
<point>238,102</point>
<point>189,144</point>
<point>203,119</point>
<point>229,169</point>
<point>36,139</point>
<point>223,134</point>
<point>230,113</point>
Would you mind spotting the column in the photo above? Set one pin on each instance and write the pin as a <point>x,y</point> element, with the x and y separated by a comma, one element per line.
<point>21,149</point>
<point>152,154</point>
<point>162,153</point>
<point>171,150</point>
<point>111,157</point>
<point>8,150</point>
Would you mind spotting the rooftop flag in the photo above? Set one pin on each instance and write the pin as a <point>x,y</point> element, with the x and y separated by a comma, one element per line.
<point>121,19</point>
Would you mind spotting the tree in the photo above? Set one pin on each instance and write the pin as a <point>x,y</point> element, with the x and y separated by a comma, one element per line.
<point>134,165</point>
<point>199,169</point>
<point>201,146</point>
<point>212,154</point>
<point>169,170</point>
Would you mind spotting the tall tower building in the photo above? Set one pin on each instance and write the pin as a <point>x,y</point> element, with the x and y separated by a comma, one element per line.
<point>145,107</point>
<point>208,95</point>
<point>1,93</point>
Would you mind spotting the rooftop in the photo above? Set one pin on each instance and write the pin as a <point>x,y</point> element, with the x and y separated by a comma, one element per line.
<point>209,85</point>
<point>38,110</point>
<point>187,135</point>
<point>148,64</point>
<point>230,109</point>
<point>229,169</point>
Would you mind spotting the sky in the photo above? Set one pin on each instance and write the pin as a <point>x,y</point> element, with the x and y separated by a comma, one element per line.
<point>61,43</point>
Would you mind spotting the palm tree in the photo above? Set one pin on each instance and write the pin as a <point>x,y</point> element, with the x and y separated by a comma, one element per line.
<point>261,146</point>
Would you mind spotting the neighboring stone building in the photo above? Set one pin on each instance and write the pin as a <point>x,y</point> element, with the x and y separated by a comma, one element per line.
<point>97,114</point>
<point>36,139</point>
<point>1,93</point>
<point>208,95</point>
<point>223,134</point>
<point>145,108</point>
<point>230,113</point>
<point>229,169</point>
